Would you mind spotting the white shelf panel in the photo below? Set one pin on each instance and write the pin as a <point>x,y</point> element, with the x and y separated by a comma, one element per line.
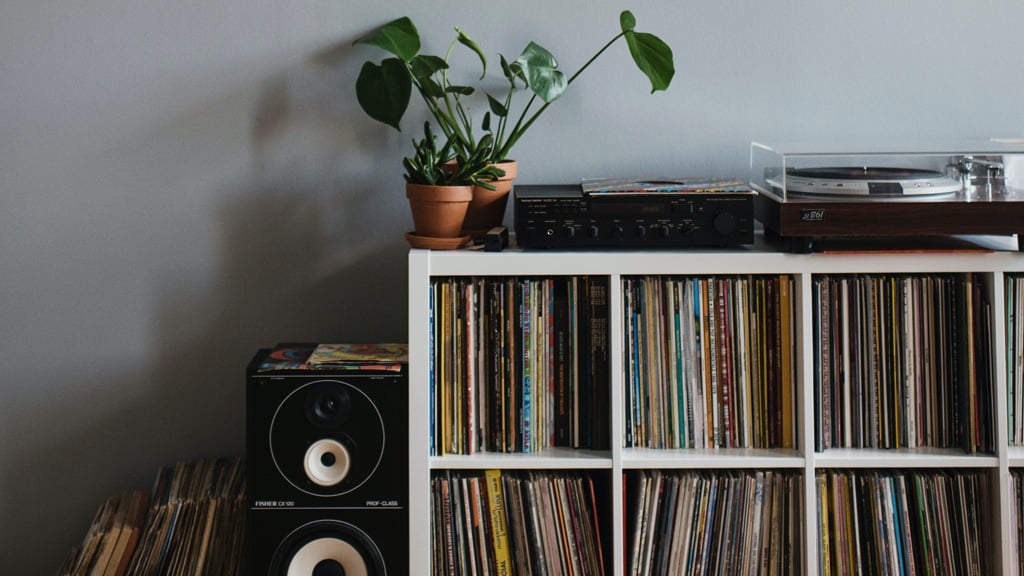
<point>1015,456</point>
<point>723,458</point>
<point>514,262</point>
<point>756,259</point>
<point>903,458</point>
<point>550,459</point>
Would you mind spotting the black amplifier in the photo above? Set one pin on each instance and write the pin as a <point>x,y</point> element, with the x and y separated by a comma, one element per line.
<point>567,216</point>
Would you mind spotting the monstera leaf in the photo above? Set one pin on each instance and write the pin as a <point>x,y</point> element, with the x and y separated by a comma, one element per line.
<point>398,37</point>
<point>652,56</point>
<point>383,91</point>
<point>538,68</point>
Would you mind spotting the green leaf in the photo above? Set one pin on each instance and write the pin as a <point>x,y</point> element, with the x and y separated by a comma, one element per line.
<point>497,107</point>
<point>383,91</point>
<point>431,89</point>
<point>425,65</point>
<point>398,37</point>
<point>506,69</point>
<point>653,57</point>
<point>538,69</point>
<point>462,90</point>
<point>511,72</point>
<point>627,21</point>
<point>468,42</point>
<point>485,125</point>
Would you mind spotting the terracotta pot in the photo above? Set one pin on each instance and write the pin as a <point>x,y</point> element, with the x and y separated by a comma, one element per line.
<point>487,209</point>
<point>438,211</point>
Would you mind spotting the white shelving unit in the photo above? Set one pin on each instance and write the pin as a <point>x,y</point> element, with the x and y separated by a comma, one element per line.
<point>424,265</point>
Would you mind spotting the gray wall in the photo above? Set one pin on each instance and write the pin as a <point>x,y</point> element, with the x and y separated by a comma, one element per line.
<point>184,182</point>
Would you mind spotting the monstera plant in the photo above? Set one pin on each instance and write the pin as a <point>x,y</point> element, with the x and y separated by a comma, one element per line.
<point>384,90</point>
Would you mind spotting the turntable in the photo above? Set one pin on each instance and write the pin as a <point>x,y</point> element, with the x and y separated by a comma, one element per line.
<point>810,193</point>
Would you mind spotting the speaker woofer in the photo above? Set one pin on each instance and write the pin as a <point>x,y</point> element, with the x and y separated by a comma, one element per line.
<point>328,548</point>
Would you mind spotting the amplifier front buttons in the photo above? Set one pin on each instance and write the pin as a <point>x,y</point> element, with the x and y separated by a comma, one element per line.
<point>617,231</point>
<point>593,231</point>
<point>664,231</point>
<point>568,231</point>
<point>640,231</point>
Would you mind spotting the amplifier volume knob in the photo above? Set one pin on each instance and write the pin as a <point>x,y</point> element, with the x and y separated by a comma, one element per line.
<point>725,223</point>
<point>593,232</point>
<point>640,231</point>
<point>568,231</point>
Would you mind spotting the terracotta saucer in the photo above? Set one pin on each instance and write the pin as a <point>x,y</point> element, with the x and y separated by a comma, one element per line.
<point>434,243</point>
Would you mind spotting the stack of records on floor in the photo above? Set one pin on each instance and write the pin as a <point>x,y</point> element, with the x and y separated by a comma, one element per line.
<point>192,522</point>
<point>505,523</point>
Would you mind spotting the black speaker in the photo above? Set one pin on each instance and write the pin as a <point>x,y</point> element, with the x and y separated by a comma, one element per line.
<point>328,466</point>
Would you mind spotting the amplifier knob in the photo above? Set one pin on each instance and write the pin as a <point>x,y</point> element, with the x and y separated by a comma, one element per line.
<point>617,231</point>
<point>725,223</point>
<point>593,232</point>
<point>568,231</point>
<point>664,231</point>
<point>687,228</point>
<point>640,231</point>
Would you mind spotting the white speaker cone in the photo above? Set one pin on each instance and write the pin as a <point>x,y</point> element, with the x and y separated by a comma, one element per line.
<point>327,462</point>
<point>316,551</point>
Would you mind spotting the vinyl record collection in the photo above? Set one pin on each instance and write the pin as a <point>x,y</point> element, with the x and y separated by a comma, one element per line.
<point>191,523</point>
<point>518,364</point>
<point>1015,357</point>
<point>903,361</point>
<point>903,523</point>
<point>709,362</point>
<point>1017,518</point>
<point>503,523</point>
<point>711,522</point>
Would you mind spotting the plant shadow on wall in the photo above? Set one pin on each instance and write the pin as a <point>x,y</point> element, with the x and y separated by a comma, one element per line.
<point>299,244</point>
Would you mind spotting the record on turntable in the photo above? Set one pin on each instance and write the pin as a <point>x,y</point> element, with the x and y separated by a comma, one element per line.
<point>869,182</point>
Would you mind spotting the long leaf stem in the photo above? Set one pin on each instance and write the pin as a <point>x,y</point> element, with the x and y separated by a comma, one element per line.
<point>521,128</point>
<point>456,113</point>
<point>503,121</point>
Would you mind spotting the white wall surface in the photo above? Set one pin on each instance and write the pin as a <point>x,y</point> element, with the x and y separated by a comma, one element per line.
<point>182,183</point>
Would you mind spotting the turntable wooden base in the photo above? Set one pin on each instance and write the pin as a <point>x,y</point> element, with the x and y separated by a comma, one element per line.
<point>800,221</point>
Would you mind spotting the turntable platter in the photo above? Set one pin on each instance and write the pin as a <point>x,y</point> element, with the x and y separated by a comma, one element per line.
<point>869,181</point>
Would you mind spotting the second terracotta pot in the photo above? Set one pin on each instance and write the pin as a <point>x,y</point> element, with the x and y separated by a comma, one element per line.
<point>487,209</point>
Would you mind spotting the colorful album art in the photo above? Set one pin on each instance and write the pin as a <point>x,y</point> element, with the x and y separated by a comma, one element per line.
<point>346,353</point>
<point>287,358</point>
<point>376,357</point>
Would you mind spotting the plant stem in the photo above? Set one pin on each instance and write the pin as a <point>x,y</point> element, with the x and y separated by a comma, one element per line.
<point>518,131</point>
<point>503,122</point>
<point>456,113</point>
